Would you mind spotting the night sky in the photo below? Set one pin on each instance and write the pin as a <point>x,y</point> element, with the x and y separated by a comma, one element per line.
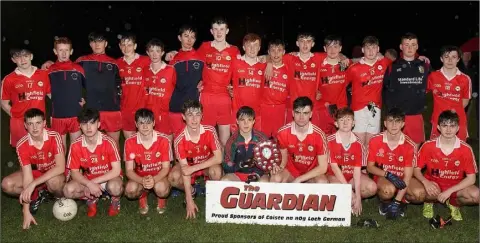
<point>37,23</point>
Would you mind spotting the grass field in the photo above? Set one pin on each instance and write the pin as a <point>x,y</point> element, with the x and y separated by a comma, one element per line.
<point>129,226</point>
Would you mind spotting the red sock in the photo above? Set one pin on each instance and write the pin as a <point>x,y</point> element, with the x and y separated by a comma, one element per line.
<point>34,194</point>
<point>405,201</point>
<point>453,200</point>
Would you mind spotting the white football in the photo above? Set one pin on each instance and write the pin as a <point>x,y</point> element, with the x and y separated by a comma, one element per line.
<point>65,209</point>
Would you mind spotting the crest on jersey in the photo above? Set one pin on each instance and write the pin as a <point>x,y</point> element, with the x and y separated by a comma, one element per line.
<point>103,157</point>
<point>49,154</point>
<point>304,66</point>
<point>284,76</point>
<point>352,157</point>
<point>404,65</point>
<point>109,67</point>
<point>421,69</point>
<point>189,151</point>
<point>260,72</point>
<point>310,148</point>
<point>163,80</point>
<point>228,58</point>
<point>132,156</point>
<point>380,67</point>
<point>312,65</point>
<point>400,158</point>
<point>74,76</point>
<point>40,83</point>
<point>157,154</point>
<point>457,88</point>
<point>457,162</point>
<point>205,147</point>
<point>139,69</point>
<point>196,65</point>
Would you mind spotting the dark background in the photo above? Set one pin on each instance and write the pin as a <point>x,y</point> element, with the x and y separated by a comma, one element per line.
<point>435,23</point>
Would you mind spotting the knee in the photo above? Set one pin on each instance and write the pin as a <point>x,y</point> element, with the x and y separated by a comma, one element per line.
<point>320,179</point>
<point>56,184</point>
<point>131,190</point>
<point>419,195</point>
<point>370,189</point>
<point>215,173</point>
<point>8,185</point>
<point>475,195</point>
<point>175,177</point>
<point>275,178</point>
<point>68,190</point>
<point>115,188</point>
<point>162,188</point>
<point>386,192</point>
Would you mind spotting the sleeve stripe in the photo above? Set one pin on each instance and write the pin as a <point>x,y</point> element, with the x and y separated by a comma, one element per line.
<point>58,140</point>
<point>177,141</point>
<point>114,146</point>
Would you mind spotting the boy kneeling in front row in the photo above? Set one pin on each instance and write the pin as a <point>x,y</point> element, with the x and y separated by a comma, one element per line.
<point>347,157</point>
<point>238,161</point>
<point>450,171</point>
<point>147,162</point>
<point>97,155</point>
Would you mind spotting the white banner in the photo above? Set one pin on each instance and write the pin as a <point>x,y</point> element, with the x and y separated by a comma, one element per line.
<point>293,204</point>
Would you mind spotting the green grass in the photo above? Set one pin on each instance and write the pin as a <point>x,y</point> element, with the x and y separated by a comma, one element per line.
<point>129,226</point>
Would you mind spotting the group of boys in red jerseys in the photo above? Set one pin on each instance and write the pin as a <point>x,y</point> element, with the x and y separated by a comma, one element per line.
<point>301,102</point>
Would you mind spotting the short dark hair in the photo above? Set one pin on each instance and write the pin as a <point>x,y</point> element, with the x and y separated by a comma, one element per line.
<point>191,104</point>
<point>392,52</point>
<point>155,42</point>
<point>302,101</point>
<point>245,111</point>
<point>145,114</point>
<point>445,50</point>
<point>305,35</point>
<point>343,112</point>
<point>219,20</point>
<point>332,39</point>
<point>88,115</point>
<point>370,40</point>
<point>33,112</point>
<point>408,36</point>
<point>395,113</point>
<point>448,116</point>
<point>128,36</point>
<point>18,51</point>
<point>276,42</point>
<point>96,36</point>
<point>186,27</point>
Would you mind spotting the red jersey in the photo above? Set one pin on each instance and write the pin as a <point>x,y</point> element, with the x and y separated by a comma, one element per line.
<point>42,159</point>
<point>367,82</point>
<point>217,73</point>
<point>449,93</point>
<point>303,155</point>
<point>247,84</point>
<point>196,152</point>
<point>160,87</point>
<point>303,75</point>
<point>392,160</point>
<point>447,169</point>
<point>148,160</point>
<point>133,90</point>
<point>275,91</point>
<point>96,163</point>
<point>26,92</point>
<point>346,158</point>
<point>332,85</point>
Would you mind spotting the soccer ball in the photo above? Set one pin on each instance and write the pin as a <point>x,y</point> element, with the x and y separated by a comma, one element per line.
<point>64,209</point>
